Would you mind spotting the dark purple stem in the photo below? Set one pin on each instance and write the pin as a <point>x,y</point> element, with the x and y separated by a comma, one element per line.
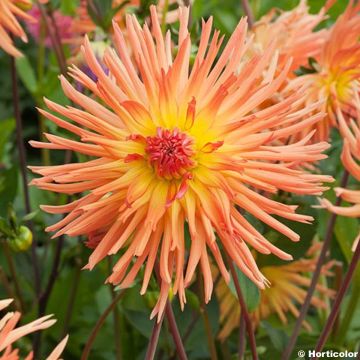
<point>244,310</point>
<point>338,300</point>
<point>321,260</point>
<point>180,351</point>
<point>248,12</point>
<point>23,170</point>
<point>151,350</point>
<point>242,339</point>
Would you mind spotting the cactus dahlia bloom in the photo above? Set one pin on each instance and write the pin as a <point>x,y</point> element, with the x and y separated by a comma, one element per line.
<point>287,291</point>
<point>175,152</point>
<point>293,32</point>
<point>9,334</point>
<point>336,75</point>
<point>350,158</point>
<point>10,10</point>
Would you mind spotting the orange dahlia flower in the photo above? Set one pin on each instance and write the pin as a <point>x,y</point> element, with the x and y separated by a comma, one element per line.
<point>336,75</point>
<point>286,292</point>
<point>9,334</point>
<point>175,152</point>
<point>350,158</point>
<point>292,32</point>
<point>9,12</point>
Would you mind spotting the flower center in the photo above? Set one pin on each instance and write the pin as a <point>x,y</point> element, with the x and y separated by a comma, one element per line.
<point>169,152</point>
<point>338,84</point>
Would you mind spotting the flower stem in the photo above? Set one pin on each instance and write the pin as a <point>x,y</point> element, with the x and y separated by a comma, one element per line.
<point>171,320</point>
<point>51,29</point>
<point>163,20</point>
<point>247,319</point>
<point>116,317</point>
<point>72,296</point>
<point>205,317</point>
<point>22,158</point>
<point>175,332</point>
<point>154,339</point>
<point>242,339</point>
<point>45,295</point>
<point>98,326</point>
<point>349,313</point>
<point>248,12</point>
<point>338,300</point>
<point>316,275</point>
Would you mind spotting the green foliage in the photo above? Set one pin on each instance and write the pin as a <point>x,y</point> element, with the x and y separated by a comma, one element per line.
<point>79,297</point>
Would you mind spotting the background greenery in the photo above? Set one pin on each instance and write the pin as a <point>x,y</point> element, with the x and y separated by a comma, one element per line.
<point>80,297</point>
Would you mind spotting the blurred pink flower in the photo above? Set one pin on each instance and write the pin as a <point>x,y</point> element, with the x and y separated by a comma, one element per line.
<point>63,24</point>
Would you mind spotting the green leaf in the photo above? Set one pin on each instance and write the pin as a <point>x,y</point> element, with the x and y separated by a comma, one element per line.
<point>8,188</point>
<point>278,337</point>
<point>346,230</point>
<point>250,291</point>
<point>68,7</point>
<point>7,127</point>
<point>26,74</point>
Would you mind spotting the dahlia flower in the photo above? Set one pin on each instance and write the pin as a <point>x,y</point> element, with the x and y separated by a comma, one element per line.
<point>293,33</point>
<point>63,24</point>
<point>286,292</point>
<point>336,75</point>
<point>9,334</point>
<point>9,12</point>
<point>173,146</point>
<point>350,131</point>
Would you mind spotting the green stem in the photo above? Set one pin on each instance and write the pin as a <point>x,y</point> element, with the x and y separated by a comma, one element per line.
<point>98,326</point>
<point>116,318</point>
<point>72,296</point>
<point>163,19</point>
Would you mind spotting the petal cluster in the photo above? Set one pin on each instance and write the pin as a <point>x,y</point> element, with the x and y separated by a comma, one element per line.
<point>9,24</point>
<point>178,153</point>
<point>336,75</point>
<point>9,334</point>
<point>350,157</point>
<point>286,292</point>
<point>292,33</point>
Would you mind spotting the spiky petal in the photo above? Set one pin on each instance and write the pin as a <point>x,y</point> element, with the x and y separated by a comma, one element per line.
<point>9,333</point>
<point>9,24</point>
<point>175,146</point>
<point>335,81</point>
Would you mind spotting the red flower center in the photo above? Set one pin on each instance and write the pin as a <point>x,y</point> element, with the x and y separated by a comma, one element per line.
<point>170,152</point>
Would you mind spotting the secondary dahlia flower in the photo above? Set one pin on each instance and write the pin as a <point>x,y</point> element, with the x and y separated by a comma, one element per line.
<point>287,291</point>
<point>336,75</point>
<point>9,334</point>
<point>9,12</point>
<point>350,158</point>
<point>292,32</point>
<point>176,151</point>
